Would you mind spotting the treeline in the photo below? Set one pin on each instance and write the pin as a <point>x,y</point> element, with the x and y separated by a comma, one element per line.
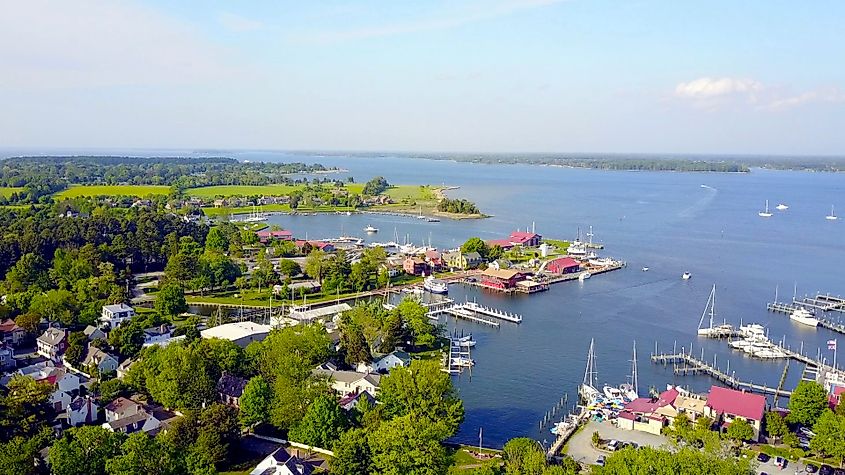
<point>633,163</point>
<point>457,206</point>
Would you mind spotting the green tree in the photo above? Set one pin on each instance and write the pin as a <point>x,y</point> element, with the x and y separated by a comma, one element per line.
<point>414,314</point>
<point>18,455</point>
<point>24,408</point>
<point>170,300</point>
<point>524,456</point>
<point>775,424</point>
<point>351,454</point>
<point>128,338</point>
<point>255,402</point>
<point>807,403</point>
<point>55,305</point>
<point>77,341</point>
<point>29,321</point>
<point>289,267</point>
<point>141,453</point>
<point>830,435</point>
<point>322,425</point>
<point>353,342</point>
<point>740,430</point>
<point>111,389</point>
<point>84,450</point>
<point>216,240</point>
<point>376,186</point>
<point>406,445</point>
<point>315,264</point>
<point>475,244</point>
<point>687,460</point>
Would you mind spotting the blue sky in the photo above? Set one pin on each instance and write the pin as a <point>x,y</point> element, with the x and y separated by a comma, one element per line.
<point>469,76</point>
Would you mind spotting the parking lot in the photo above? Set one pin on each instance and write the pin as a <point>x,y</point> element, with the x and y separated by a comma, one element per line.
<point>581,448</point>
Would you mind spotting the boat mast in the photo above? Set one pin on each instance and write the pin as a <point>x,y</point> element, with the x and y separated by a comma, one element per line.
<point>634,379</point>
<point>590,372</point>
<point>711,299</point>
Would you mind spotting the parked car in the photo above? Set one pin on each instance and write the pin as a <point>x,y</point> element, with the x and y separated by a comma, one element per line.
<point>600,461</point>
<point>613,445</point>
<point>763,457</point>
<point>811,468</point>
<point>806,432</point>
<point>780,463</point>
<point>826,470</point>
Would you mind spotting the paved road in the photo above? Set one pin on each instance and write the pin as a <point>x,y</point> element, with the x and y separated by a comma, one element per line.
<point>581,448</point>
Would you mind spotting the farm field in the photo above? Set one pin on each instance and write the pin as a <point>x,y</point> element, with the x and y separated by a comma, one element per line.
<point>8,190</point>
<point>113,190</point>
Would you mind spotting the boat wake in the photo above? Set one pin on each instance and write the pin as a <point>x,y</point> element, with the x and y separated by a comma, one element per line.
<point>701,204</point>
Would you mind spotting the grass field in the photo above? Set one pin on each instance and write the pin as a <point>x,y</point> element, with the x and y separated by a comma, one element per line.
<point>8,190</point>
<point>411,193</point>
<point>398,192</point>
<point>113,190</point>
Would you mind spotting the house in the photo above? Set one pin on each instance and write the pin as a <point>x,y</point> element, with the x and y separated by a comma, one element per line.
<point>349,382</point>
<point>321,245</point>
<point>121,408</point>
<point>392,270</point>
<point>286,461</point>
<point>434,259</point>
<point>525,239</point>
<point>230,388</point>
<point>726,405</point>
<point>385,363</point>
<point>97,358</point>
<point>240,333</point>
<point>501,279</point>
<point>505,244</point>
<point>52,343</point>
<point>307,286</point>
<point>351,401</point>
<point>281,235</point>
<point>646,414</point>
<point>415,266</point>
<point>129,424</point>
<point>93,333</point>
<point>500,264</point>
<point>563,265</point>
<point>160,335</point>
<point>10,333</point>
<point>82,410</point>
<point>7,357</point>
<point>461,260</point>
<point>114,315</point>
<point>123,368</point>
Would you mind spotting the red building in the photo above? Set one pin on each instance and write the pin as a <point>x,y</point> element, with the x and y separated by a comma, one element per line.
<point>281,235</point>
<point>501,279</point>
<point>505,244</point>
<point>434,259</point>
<point>525,239</point>
<point>415,266</point>
<point>563,265</point>
<point>323,246</point>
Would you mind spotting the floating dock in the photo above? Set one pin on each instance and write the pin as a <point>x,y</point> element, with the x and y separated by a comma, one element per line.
<point>459,311</point>
<point>492,312</point>
<point>823,302</point>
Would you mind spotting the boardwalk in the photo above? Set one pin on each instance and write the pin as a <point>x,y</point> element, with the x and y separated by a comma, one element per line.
<point>693,365</point>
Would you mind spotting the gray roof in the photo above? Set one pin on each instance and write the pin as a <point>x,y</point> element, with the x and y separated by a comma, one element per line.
<point>53,336</point>
<point>96,356</point>
<point>121,307</point>
<point>129,420</point>
<point>348,377</point>
<point>91,330</point>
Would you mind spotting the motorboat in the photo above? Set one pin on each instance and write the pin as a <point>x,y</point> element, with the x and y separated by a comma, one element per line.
<point>601,262</point>
<point>463,361</point>
<point>832,216</point>
<point>577,248</point>
<point>612,392</point>
<point>781,207</point>
<point>752,330</point>
<point>645,269</point>
<point>584,276</point>
<point>435,286</point>
<point>766,213</point>
<point>628,391</point>
<point>432,219</point>
<point>804,317</point>
<point>686,276</point>
<point>370,229</point>
<point>465,341</point>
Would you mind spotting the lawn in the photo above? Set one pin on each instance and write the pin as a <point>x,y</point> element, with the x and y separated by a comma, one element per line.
<point>112,190</point>
<point>242,190</point>
<point>411,193</point>
<point>461,459</point>
<point>8,190</point>
<point>213,212</point>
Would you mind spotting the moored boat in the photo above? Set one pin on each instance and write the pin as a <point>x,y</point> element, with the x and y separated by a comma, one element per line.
<point>804,317</point>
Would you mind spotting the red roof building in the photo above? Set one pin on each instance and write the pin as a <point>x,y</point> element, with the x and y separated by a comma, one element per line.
<point>415,266</point>
<point>281,235</point>
<point>563,265</point>
<point>724,405</point>
<point>434,258</point>
<point>503,279</point>
<point>520,238</point>
<point>505,244</point>
<point>323,246</point>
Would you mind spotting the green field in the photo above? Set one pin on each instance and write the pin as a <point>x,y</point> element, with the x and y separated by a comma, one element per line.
<point>242,190</point>
<point>112,190</point>
<point>411,193</point>
<point>8,190</point>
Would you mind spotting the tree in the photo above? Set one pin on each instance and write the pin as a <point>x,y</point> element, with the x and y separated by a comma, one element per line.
<point>596,438</point>
<point>775,425</point>
<point>524,456</point>
<point>414,314</point>
<point>353,343</point>
<point>18,455</point>
<point>111,389</point>
<point>406,445</point>
<point>24,408</point>
<point>128,338</point>
<point>77,342</point>
<point>216,240</point>
<point>141,453</point>
<point>29,321</point>
<point>830,435</point>
<point>55,305</point>
<point>351,454</point>
<point>740,430</point>
<point>84,450</point>
<point>807,403</point>
<point>255,402</point>
<point>475,244</point>
<point>289,267</point>
<point>376,186</point>
<point>687,460</point>
<point>322,425</point>
<point>170,300</point>
<point>315,264</point>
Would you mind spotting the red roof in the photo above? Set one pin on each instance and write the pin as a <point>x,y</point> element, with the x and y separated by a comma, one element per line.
<point>275,234</point>
<point>667,397</point>
<point>9,326</point>
<point>563,262</point>
<point>521,236</point>
<point>641,405</point>
<point>737,403</point>
<point>503,243</point>
<point>627,415</point>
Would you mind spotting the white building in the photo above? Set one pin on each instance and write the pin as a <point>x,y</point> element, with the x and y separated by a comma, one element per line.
<point>114,315</point>
<point>161,335</point>
<point>52,343</point>
<point>240,333</point>
<point>350,382</point>
<point>283,462</point>
<point>82,410</point>
<point>323,313</point>
<point>385,363</point>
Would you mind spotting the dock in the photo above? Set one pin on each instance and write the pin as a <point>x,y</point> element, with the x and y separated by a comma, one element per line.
<point>693,365</point>
<point>459,311</point>
<point>492,312</point>
<point>458,358</point>
<point>786,308</point>
<point>823,302</point>
<point>573,422</point>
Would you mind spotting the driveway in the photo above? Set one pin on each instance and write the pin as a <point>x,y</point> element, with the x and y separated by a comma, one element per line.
<point>581,448</point>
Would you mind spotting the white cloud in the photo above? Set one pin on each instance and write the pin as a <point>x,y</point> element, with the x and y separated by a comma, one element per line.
<point>829,95</point>
<point>97,43</point>
<point>706,87</point>
<point>238,24</point>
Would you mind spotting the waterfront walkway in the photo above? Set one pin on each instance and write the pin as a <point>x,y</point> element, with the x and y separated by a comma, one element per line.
<point>685,363</point>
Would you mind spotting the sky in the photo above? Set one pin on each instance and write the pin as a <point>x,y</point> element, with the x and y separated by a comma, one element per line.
<point>504,76</point>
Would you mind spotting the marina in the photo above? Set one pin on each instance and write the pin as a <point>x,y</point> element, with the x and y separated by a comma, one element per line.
<point>789,309</point>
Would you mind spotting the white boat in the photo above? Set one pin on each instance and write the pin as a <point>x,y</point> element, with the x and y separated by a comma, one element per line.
<point>255,217</point>
<point>465,341</point>
<point>577,248</point>
<point>645,269</point>
<point>462,361</point>
<point>435,286</point>
<point>584,276</point>
<point>432,219</point>
<point>588,390</point>
<point>686,276</point>
<point>601,262</point>
<point>766,213</point>
<point>612,392</point>
<point>832,216</point>
<point>349,213</point>
<point>710,309</point>
<point>753,330</point>
<point>804,317</point>
<point>781,207</point>
<point>370,229</point>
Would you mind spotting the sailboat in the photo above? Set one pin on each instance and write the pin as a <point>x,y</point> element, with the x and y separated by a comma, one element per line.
<point>588,390</point>
<point>710,309</point>
<point>255,216</point>
<point>832,216</point>
<point>766,213</point>
<point>630,390</point>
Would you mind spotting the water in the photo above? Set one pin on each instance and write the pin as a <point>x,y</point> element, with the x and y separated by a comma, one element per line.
<point>666,221</point>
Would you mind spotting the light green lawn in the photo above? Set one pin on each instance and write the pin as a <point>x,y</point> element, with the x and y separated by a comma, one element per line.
<point>242,190</point>
<point>112,190</point>
<point>8,190</point>
<point>410,192</point>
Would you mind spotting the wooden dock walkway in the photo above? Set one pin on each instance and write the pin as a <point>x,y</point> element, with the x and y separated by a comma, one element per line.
<point>693,365</point>
<point>823,302</point>
<point>459,311</point>
<point>492,312</point>
<point>561,438</point>
<point>785,308</point>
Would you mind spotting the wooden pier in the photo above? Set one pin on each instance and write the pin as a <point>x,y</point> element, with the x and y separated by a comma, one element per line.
<point>492,312</point>
<point>782,307</point>
<point>693,365</point>
<point>458,311</point>
<point>823,302</point>
<point>575,422</point>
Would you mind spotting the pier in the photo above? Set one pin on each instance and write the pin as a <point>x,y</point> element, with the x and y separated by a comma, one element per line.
<point>693,365</point>
<point>823,302</point>
<point>459,311</point>
<point>569,427</point>
<point>492,312</point>
<point>458,358</point>
<point>785,308</point>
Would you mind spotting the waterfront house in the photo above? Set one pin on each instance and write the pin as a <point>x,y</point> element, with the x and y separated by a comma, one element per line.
<point>7,357</point>
<point>230,388</point>
<point>280,235</point>
<point>350,382</point>
<point>501,279</point>
<point>726,405</point>
<point>114,315</point>
<point>385,363</point>
<point>646,414</point>
<point>415,266</point>
<point>240,333</point>
<point>82,410</point>
<point>307,246</point>
<point>10,333</point>
<point>93,333</point>
<point>563,265</point>
<point>525,239</point>
<point>52,343</point>
<point>462,260</point>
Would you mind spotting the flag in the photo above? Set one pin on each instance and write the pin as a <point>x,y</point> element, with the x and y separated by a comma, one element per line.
<point>831,344</point>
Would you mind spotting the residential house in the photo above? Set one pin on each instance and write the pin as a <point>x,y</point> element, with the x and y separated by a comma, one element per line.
<point>82,410</point>
<point>726,405</point>
<point>286,461</point>
<point>415,266</point>
<point>230,388</point>
<point>471,260</point>
<point>525,239</point>
<point>97,358</point>
<point>349,382</point>
<point>500,264</point>
<point>160,335</point>
<point>434,259</point>
<point>93,333</point>
<point>7,357</point>
<point>123,368</point>
<point>351,401</point>
<point>322,245</point>
<point>121,408</point>
<point>114,315</point>
<point>392,270</point>
<point>128,424</point>
<point>52,343</point>
<point>11,333</point>
<point>385,363</point>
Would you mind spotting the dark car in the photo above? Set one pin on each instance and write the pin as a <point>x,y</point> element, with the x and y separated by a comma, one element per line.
<point>811,468</point>
<point>839,471</point>
<point>780,462</point>
<point>763,457</point>
<point>826,470</point>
